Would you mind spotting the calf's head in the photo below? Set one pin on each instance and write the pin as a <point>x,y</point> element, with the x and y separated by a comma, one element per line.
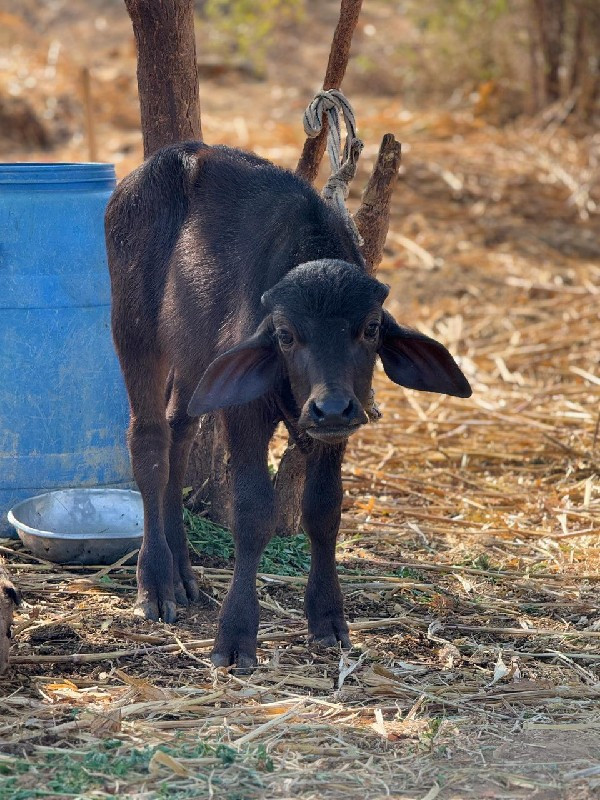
<point>325,327</point>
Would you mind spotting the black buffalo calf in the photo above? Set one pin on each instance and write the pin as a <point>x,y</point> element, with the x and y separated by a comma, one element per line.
<point>236,288</point>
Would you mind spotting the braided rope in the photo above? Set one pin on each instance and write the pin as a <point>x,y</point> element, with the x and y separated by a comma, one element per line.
<point>333,103</point>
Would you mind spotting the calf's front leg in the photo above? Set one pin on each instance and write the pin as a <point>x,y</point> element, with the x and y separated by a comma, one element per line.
<point>321,513</point>
<point>253,507</point>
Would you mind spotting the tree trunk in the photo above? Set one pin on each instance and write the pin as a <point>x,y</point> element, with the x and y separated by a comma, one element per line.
<point>534,47</point>
<point>167,73</point>
<point>579,46</point>
<point>289,488</point>
<point>208,473</point>
<point>586,76</point>
<point>170,109</point>
<point>550,16</point>
<point>291,476</point>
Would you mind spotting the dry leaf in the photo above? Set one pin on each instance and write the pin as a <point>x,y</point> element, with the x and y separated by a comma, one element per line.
<point>64,684</point>
<point>500,671</point>
<point>432,630</point>
<point>433,792</point>
<point>347,667</point>
<point>145,689</point>
<point>84,586</point>
<point>160,759</point>
<point>379,724</point>
<point>449,656</point>
<point>106,723</point>
<point>467,585</point>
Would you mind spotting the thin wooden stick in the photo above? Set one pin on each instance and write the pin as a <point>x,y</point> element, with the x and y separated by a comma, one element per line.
<point>373,217</point>
<point>89,114</point>
<point>214,573</point>
<point>196,644</point>
<point>312,153</point>
<point>587,634</point>
<point>267,726</point>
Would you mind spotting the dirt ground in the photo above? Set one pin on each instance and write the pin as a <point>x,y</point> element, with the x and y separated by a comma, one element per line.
<point>470,548</point>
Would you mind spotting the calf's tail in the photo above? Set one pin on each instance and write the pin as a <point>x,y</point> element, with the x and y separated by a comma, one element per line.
<point>149,206</point>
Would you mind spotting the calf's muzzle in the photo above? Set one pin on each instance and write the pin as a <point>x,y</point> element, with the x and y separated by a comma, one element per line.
<point>332,416</point>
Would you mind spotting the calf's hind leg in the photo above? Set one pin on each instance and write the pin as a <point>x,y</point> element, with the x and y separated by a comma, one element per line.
<point>149,436</point>
<point>183,428</point>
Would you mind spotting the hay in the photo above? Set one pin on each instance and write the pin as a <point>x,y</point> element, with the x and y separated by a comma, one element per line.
<point>469,547</point>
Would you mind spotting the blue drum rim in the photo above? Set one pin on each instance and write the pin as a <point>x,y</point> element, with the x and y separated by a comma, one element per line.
<point>32,173</point>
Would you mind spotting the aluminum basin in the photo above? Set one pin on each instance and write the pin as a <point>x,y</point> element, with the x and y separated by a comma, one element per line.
<point>80,526</point>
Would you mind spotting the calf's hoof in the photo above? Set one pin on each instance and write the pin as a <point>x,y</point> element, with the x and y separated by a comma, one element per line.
<point>155,609</point>
<point>156,596</point>
<point>185,586</point>
<point>232,649</point>
<point>328,632</point>
<point>243,662</point>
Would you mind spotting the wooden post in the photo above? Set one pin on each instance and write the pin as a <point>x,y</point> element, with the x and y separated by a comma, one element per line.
<point>550,16</point>
<point>170,111</point>
<point>167,73</point>
<point>86,83</point>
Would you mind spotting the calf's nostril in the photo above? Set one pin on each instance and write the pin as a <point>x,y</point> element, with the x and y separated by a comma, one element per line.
<point>316,412</point>
<point>348,412</point>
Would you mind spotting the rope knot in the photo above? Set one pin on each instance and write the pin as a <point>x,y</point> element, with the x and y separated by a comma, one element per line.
<point>333,103</point>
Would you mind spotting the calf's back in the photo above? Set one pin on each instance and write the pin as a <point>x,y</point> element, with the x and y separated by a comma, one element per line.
<point>197,234</point>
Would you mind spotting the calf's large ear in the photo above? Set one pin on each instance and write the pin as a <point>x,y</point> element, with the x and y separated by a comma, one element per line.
<point>238,376</point>
<point>414,360</point>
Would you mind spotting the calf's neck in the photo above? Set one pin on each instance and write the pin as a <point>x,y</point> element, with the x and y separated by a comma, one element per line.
<point>237,290</point>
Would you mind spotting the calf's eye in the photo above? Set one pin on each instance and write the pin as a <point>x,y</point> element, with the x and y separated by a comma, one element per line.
<point>371,330</point>
<point>284,337</point>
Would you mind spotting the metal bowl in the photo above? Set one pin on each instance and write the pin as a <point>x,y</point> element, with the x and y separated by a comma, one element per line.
<point>80,526</point>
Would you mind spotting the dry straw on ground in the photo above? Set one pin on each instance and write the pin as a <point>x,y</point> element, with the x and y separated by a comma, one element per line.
<point>470,546</point>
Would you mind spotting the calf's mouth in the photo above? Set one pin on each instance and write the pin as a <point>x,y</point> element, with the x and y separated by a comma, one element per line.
<point>332,434</point>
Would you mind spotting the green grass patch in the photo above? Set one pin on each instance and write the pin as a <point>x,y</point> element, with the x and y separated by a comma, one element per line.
<point>481,561</point>
<point>113,762</point>
<point>289,555</point>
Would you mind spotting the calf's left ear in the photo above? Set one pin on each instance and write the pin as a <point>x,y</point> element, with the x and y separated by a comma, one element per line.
<point>238,376</point>
<point>414,360</point>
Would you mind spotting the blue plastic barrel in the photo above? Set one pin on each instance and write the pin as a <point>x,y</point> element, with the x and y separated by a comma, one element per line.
<point>63,406</point>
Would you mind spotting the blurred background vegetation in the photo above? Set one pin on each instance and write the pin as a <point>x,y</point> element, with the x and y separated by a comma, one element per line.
<point>499,61</point>
<point>531,52</point>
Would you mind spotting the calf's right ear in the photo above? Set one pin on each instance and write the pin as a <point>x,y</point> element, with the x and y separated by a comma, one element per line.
<point>238,376</point>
